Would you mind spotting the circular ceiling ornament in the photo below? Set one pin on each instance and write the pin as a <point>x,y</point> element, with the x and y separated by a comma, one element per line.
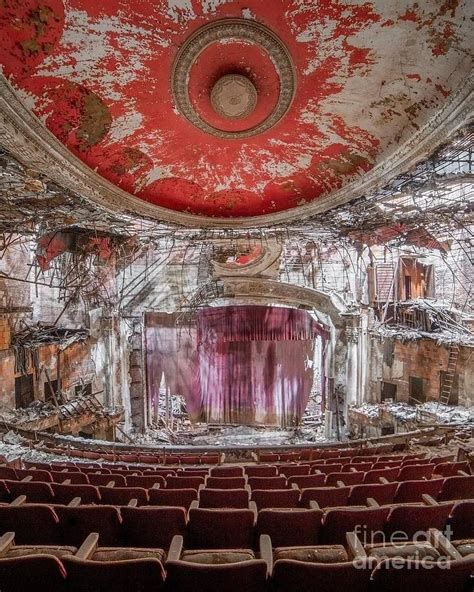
<point>225,91</point>
<point>233,96</point>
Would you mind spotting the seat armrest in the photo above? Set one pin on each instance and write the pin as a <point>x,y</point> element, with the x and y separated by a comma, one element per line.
<point>88,546</point>
<point>202,486</point>
<point>441,543</point>
<point>194,505</point>
<point>266,552</point>
<point>133,503</point>
<point>111,484</point>
<point>294,486</point>
<point>372,503</point>
<point>353,470</point>
<point>6,542</point>
<point>313,505</point>
<point>463,474</point>
<point>317,472</point>
<point>384,481</point>
<point>428,500</point>
<point>340,483</point>
<point>175,549</point>
<point>75,502</point>
<point>66,482</point>
<point>155,486</point>
<point>247,487</point>
<point>19,501</point>
<point>253,507</point>
<point>356,548</point>
<point>27,478</point>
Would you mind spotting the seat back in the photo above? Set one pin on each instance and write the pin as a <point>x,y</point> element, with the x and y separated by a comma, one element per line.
<point>139,575</point>
<point>449,469</point>
<point>248,576</point>
<point>462,520</point>
<point>261,471</point>
<point>100,479</point>
<point>289,574</point>
<point>181,498</point>
<point>412,491</point>
<point>121,496</point>
<point>145,481</point>
<point>267,482</point>
<point>76,478</point>
<point>276,498</point>
<point>226,471</point>
<point>305,481</point>
<point>223,498</point>
<point>325,497</point>
<point>293,470</point>
<point>35,491</point>
<point>392,575</point>
<point>382,494</point>
<point>415,471</point>
<point>152,527</point>
<point>226,482</point>
<point>374,476</point>
<point>326,469</point>
<point>32,572</point>
<point>8,473</point>
<point>418,520</point>
<point>33,524</point>
<point>35,474</point>
<point>63,494</point>
<point>175,482</point>
<point>457,488</point>
<point>220,529</point>
<point>77,522</point>
<point>288,528</point>
<point>348,478</point>
<point>368,523</point>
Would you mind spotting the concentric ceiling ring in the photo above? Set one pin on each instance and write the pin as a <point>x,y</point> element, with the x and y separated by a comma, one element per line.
<point>240,30</point>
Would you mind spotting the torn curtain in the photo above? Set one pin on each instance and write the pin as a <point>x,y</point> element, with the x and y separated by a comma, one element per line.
<point>240,364</point>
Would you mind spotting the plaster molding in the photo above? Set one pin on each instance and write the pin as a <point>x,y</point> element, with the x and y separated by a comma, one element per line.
<point>25,136</point>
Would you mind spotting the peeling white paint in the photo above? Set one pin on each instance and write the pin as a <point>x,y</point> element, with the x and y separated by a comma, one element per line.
<point>125,125</point>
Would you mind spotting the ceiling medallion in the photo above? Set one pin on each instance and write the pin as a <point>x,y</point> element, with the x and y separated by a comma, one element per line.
<point>233,96</point>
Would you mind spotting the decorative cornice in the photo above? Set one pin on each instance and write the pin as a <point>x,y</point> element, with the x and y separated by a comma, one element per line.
<point>25,136</point>
<point>240,29</point>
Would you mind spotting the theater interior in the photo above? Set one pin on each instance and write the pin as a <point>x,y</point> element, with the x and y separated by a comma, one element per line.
<point>236,296</point>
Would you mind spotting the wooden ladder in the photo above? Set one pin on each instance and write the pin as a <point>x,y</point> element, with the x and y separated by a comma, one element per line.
<point>448,381</point>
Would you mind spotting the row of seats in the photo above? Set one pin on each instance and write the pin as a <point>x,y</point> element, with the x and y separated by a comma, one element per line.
<point>151,527</point>
<point>263,491</point>
<point>432,566</point>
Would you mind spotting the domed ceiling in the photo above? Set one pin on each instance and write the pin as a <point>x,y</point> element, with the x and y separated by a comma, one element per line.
<point>234,108</point>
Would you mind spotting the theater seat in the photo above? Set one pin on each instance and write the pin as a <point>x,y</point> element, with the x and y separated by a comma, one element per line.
<point>286,528</point>
<point>35,491</point>
<point>220,529</point>
<point>223,498</point>
<point>306,481</point>
<point>367,523</point>
<point>261,471</point>
<point>267,482</point>
<point>121,496</point>
<point>412,491</point>
<point>348,478</point>
<point>144,481</point>
<point>225,482</point>
<point>33,524</point>
<point>152,527</point>
<point>461,520</point>
<point>416,519</point>
<point>411,472</point>
<point>102,480</point>
<point>226,471</point>
<point>457,488</point>
<point>175,482</point>
<point>63,494</point>
<point>40,572</point>
<point>293,470</point>
<point>75,478</point>
<point>172,497</point>
<point>382,493</point>
<point>325,497</point>
<point>275,498</point>
<point>450,469</point>
<point>77,522</point>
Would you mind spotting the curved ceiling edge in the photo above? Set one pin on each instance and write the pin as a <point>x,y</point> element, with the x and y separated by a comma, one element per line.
<point>22,133</point>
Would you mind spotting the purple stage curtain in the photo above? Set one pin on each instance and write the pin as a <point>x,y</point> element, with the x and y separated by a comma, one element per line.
<point>253,363</point>
<point>242,364</point>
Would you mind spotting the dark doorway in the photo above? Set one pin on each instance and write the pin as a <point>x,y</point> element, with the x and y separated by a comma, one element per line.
<point>24,394</point>
<point>407,287</point>
<point>50,389</point>
<point>85,390</point>
<point>389,391</point>
<point>417,390</point>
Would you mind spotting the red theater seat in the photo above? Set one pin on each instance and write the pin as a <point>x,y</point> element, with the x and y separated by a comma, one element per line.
<point>75,478</point>
<point>261,471</point>
<point>382,494</point>
<point>305,481</point>
<point>8,473</point>
<point>300,576</point>
<point>410,472</point>
<point>247,576</point>
<point>267,482</point>
<point>368,523</point>
<point>121,496</point>
<point>287,528</point>
<point>35,491</point>
<point>375,475</point>
<point>119,480</point>
<point>416,519</point>
<point>181,498</point>
<point>325,497</point>
<point>326,469</point>
<point>138,575</point>
<point>226,472</point>
<point>76,523</point>
<point>223,498</point>
<point>276,498</point>
<point>43,573</point>
<point>184,482</point>
<point>35,474</point>
<point>33,524</point>
<point>412,491</point>
<point>226,482</point>
<point>63,494</point>
<point>348,478</point>
<point>462,520</point>
<point>152,527</point>
<point>451,468</point>
<point>145,481</point>
<point>220,529</point>
<point>293,470</point>
<point>457,488</point>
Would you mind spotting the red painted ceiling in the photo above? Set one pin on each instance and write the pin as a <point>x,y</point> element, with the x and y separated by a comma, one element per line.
<point>368,75</point>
